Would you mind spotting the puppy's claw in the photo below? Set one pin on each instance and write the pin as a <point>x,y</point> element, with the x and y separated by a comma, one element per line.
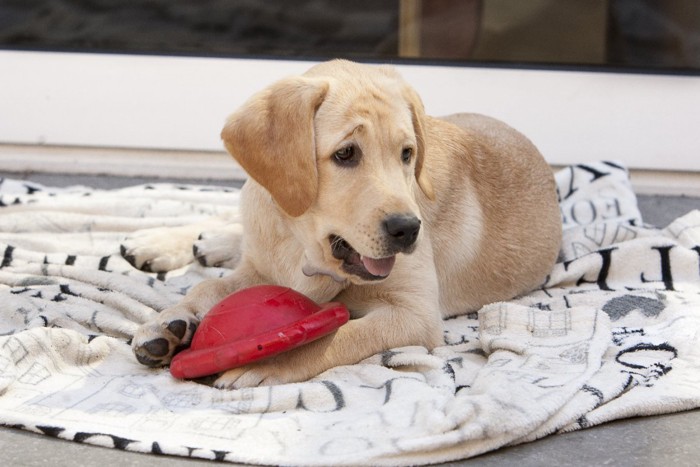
<point>199,256</point>
<point>131,259</point>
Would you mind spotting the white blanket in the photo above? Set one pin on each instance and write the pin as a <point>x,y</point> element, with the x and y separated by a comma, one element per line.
<point>612,334</point>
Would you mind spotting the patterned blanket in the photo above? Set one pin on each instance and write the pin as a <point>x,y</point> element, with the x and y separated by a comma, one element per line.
<point>613,333</point>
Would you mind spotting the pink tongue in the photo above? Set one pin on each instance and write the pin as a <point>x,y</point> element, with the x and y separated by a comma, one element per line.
<point>378,267</point>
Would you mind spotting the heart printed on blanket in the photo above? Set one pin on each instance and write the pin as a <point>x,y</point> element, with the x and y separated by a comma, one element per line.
<point>612,333</point>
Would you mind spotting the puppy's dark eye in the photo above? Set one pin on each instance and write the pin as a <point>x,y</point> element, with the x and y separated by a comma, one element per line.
<point>406,155</point>
<point>347,156</point>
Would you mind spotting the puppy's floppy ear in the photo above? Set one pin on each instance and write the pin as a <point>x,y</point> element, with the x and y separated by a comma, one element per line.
<point>418,117</point>
<point>272,137</point>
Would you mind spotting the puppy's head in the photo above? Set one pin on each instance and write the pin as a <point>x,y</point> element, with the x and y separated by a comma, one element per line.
<point>341,152</point>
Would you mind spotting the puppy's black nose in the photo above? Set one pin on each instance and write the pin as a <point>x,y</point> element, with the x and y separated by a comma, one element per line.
<point>402,229</point>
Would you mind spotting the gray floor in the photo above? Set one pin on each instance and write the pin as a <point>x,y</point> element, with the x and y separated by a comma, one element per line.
<point>672,439</point>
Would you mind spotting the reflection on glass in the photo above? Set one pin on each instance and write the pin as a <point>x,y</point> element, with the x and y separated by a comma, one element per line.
<point>646,34</point>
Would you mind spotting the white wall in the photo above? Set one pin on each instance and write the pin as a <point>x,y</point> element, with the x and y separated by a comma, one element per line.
<point>644,121</point>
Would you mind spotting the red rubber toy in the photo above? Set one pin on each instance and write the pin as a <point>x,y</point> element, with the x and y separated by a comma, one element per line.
<point>253,324</point>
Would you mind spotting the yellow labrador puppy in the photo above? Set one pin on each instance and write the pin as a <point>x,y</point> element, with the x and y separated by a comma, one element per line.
<point>356,195</point>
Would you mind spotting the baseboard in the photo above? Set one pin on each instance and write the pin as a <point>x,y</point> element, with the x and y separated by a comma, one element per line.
<point>220,166</point>
<point>650,182</point>
<point>144,163</point>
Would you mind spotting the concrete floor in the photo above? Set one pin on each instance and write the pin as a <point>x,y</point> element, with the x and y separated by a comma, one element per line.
<point>667,440</point>
<point>664,440</point>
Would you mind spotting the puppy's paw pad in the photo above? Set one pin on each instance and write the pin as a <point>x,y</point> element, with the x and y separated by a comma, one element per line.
<point>148,353</point>
<point>178,328</point>
<point>153,353</point>
<point>155,344</point>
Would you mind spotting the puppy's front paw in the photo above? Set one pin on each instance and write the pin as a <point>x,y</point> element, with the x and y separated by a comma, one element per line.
<point>250,376</point>
<point>220,247</point>
<point>282,369</point>
<point>159,250</point>
<point>155,342</point>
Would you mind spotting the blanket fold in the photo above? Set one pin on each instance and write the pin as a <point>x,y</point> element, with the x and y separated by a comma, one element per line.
<point>612,333</point>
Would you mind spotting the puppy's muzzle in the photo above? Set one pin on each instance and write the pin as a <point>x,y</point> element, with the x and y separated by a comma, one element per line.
<point>402,230</point>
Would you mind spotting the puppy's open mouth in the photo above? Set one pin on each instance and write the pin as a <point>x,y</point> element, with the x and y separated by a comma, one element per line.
<point>361,266</point>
